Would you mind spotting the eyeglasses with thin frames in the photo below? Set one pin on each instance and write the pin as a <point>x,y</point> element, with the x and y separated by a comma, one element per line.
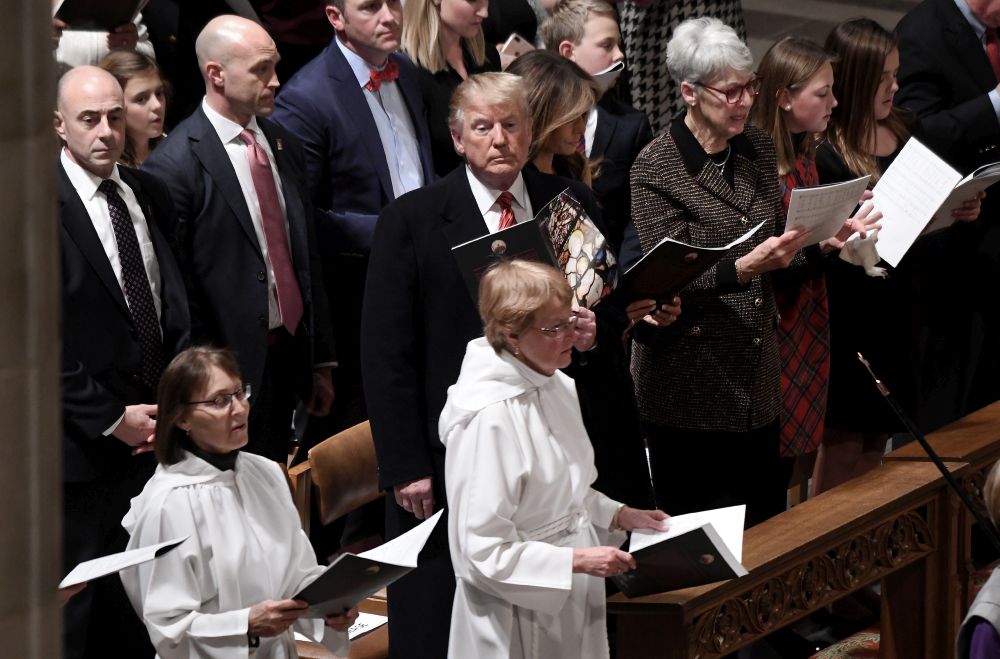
<point>224,401</point>
<point>734,94</point>
<point>562,329</point>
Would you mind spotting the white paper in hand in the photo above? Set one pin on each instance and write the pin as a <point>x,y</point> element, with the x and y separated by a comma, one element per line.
<point>727,522</point>
<point>405,549</point>
<point>105,565</point>
<point>365,623</point>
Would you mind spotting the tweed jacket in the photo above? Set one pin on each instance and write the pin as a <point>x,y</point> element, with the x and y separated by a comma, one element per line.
<point>717,367</point>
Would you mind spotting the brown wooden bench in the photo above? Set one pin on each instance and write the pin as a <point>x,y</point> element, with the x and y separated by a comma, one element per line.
<point>892,525</point>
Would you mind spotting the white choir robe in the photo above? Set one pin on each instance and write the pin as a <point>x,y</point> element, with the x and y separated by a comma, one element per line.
<point>246,545</point>
<point>518,470</point>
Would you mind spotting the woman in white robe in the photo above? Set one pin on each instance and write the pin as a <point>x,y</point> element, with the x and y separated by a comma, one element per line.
<point>225,591</point>
<point>528,534</point>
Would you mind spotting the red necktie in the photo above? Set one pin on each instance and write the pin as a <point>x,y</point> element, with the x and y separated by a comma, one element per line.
<point>388,74</point>
<point>993,51</point>
<point>289,295</point>
<point>506,210</point>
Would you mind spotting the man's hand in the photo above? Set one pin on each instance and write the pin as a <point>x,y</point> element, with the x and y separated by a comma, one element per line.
<point>416,497</point>
<point>137,428</point>
<point>323,394</point>
<point>273,617</point>
<point>123,36</point>
<point>586,329</point>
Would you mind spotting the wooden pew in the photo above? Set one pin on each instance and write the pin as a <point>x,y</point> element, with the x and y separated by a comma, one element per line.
<point>893,524</point>
<point>974,439</point>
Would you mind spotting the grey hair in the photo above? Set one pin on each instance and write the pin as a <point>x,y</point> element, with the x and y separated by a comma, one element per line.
<point>703,48</point>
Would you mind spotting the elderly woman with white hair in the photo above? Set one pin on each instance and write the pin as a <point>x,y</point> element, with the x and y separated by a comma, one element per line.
<point>708,384</point>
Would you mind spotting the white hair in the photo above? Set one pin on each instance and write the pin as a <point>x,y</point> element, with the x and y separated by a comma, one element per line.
<point>703,48</point>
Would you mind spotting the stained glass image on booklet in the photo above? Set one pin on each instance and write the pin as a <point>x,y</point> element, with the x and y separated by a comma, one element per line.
<point>697,549</point>
<point>101,15</point>
<point>671,265</point>
<point>580,248</point>
<point>351,578</point>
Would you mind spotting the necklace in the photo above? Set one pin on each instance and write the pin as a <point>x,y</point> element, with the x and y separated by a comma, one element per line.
<point>720,165</point>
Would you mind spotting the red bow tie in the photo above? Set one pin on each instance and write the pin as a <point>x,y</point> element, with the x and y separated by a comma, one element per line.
<point>388,74</point>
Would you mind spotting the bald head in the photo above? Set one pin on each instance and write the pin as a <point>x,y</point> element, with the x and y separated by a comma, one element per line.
<point>237,59</point>
<point>90,118</point>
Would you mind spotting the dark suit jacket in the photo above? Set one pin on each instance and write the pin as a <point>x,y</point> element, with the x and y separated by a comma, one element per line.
<point>944,77</point>
<point>419,315</point>
<point>220,256</point>
<point>346,173</point>
<point>101,355</point>
<point>621,134</point>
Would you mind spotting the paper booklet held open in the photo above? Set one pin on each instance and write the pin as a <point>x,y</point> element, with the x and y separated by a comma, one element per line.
<point>112,563</point>
<point>101,15</point>
<point>698,548</point>
<point>352,577</point>
<point>822,210</point>
<point>561,235</point>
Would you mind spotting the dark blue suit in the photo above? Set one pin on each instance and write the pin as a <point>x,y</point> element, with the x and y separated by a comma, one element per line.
<point>348,180</point>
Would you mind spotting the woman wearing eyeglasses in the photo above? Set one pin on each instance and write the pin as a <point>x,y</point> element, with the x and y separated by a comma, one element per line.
<point>225,591</point>
<point>527,531</point>
<point>708,384</point>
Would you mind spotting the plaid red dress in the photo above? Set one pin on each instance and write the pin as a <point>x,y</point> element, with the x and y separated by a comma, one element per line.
<point>803,340</point>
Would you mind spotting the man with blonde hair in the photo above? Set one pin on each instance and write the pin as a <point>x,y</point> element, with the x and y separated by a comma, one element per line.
<point>418,316</point>
<point>586,32</point>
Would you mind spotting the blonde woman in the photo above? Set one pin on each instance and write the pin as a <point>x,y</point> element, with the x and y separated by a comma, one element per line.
<point>444,38</point>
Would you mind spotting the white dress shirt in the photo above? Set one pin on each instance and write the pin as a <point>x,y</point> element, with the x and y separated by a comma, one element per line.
<point>229,133</point>
<point>85,183</point>
<point>590,131</point>
<point>395,128</point>
<point>486,201</point>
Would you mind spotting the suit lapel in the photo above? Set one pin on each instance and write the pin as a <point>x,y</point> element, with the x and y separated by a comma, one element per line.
<point>207,147</point>
<point>462,220</point>
<point>969,50</point>
<point>350,95</point>
<point>604,133</point>
<point>81,231</point>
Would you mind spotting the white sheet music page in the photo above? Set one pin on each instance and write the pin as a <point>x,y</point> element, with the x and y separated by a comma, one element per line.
<point>105,565</point>
<point>404,549</point>
<point>728,523</point>
<point>908,195</point>
<point>823,209</point>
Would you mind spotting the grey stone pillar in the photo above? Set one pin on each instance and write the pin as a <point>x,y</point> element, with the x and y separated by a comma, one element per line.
<point>30,425</point>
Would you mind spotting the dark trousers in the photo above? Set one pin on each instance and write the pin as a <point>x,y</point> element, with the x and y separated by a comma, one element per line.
<point>420,603</point>
<point>99,621</point>
<point>271,407</point>
<point>697,470</point>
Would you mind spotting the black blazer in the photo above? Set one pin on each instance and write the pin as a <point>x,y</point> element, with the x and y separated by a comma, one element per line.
<point>944,77</point>
<point>621,133</point>
<point>101,355</point>
<point>418,317</point>
<point>218,252</point>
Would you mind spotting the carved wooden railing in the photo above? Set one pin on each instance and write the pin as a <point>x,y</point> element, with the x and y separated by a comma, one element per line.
<point>893,525</point>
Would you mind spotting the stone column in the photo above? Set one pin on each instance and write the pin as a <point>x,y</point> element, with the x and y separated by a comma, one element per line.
<point>30,418</point>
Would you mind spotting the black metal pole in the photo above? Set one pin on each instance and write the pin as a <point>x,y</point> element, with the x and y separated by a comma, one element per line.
<point>989,530</point>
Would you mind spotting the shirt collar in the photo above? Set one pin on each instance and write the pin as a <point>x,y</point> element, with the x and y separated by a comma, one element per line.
<point>486,196</point>
<point>694,155</point>
<point>977,25</point>
<point>85,182</point>
<point>362,69</point>
<point>227,129</point>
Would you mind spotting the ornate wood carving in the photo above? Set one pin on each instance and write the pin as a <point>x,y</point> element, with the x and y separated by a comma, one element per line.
<point>815,582</point>
<point>973,484</point>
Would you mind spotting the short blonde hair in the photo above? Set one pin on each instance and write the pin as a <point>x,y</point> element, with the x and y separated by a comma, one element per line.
<point>487,89</point>
<point>991,493</point>
<point>512,291</point>
<point>569,19</point>
<point>421,38</point>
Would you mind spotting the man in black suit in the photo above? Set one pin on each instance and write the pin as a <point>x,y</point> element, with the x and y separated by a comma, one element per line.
<point>124,316</point>
<point>244,236</point>
<point>418,317</point>
<point>365,146</point>
<point>586,32</point>
<point>946,77</point>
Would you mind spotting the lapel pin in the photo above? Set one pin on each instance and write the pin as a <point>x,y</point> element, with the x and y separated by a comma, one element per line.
<point>281,146</point>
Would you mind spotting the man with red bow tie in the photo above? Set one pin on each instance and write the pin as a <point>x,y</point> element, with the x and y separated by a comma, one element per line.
<point>358,110</point>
